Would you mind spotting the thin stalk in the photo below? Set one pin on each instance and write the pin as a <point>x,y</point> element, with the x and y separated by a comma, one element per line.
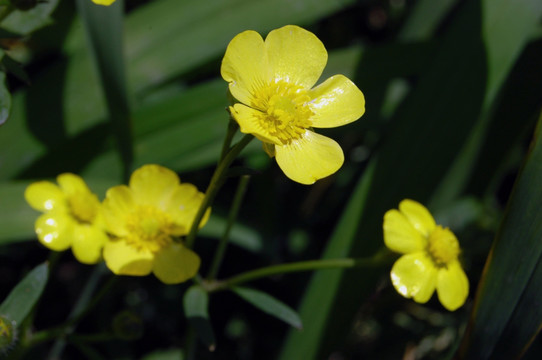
<point>84,305</point>
<point>232,129</point>
<point>378,259</point>
<point>221,249</point>
<point>216,182</point>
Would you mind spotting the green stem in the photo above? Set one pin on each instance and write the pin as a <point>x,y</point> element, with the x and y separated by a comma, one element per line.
<point>216,182</point>
<point>221,250</point>
<point>83,306</point>
<point>232,129</point>
<point>378,259</point>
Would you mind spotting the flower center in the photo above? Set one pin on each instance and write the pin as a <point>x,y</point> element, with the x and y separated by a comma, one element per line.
<point>83,206</point>
<point>443,246</point>
<point>149,228</point>
<point>285,113</point>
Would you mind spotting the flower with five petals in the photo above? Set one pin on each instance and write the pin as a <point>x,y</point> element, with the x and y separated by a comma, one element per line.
<point>146,220</point>
<point>273,80</point>
<point>430,259</point>
<point>72,217</point>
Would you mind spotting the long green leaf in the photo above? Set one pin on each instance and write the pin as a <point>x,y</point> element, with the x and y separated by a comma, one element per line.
<point>507,315</point>
<point>196,302</point>
<point>25,295</point>
<point>104,25</point>
<point>270,305</point>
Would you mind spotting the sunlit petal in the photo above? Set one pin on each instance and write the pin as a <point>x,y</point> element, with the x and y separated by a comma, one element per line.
<point>250,122</point>
<point>414,276</point>
<point>452,286</point>
<point>335,102</point>
<point>88,242</point>
<point>123,259</point>
<point>55,230</point>
<point>295,55</point>
<point>153,185</point>
<point>244,66</point>
<point>400,235</point>
<point>183,206</point>
<point>45,196</point>
<point>117,206</point>
<point>309,158</point>
<point>175,264</point>
<point>418,215</point>
<point>72,184</point>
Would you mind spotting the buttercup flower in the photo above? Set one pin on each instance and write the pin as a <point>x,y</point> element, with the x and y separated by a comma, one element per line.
<point>273,81</point>
<point>72,217</point>
<point>103,2</point>
<point>144,219</point>
<point>431,256</point>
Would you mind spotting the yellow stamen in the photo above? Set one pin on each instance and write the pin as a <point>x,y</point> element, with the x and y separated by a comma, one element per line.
<point>285,113</point>
<point>442,246</point>
<point>149,228</point>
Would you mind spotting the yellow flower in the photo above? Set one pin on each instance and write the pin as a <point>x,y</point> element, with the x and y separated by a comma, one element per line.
<point>145,218</point>
<point>431,256</point>
<point>103,2</point>
<point>273,81</point>
<point>72,217</point>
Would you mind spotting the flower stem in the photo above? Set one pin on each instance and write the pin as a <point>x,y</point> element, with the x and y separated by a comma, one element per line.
<point>221,250</point>
<point>232,128</point>
<point>380,258</point>
<point>216,182</point>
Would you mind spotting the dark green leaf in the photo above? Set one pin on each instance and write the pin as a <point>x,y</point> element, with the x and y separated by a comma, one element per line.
<point>270,305</point>
<point>503,329</point>
<point>5,99</point>
<point>196,301</point>
<point>104,26</point>
<point>171,354</point>
<point>26,22</point>
<point>26,293</point>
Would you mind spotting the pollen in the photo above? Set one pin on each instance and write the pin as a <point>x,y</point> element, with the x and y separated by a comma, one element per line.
<point>442,246</point>
<point>149,229</point>
<point>284,110</point>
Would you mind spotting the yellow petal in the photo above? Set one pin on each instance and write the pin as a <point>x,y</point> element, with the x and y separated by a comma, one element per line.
<point>418,215</point>
<point>244,66</point>
<point>335,102</point>
<point>414,276</point>
<point>88,242</point>
<point>452,286</point>
<point>399,234</point>
<point>103,2</point>
<point>123,259</point>
<point>118,204</point>
<point>175,264</point>
<point>72,184</point>
<point>309,158</point>
<point>45,196</point>
<point>55,230</point>
<point>250,121</point>
<point>183,206</point>
<point>153,185</point>
<point>295,55</point>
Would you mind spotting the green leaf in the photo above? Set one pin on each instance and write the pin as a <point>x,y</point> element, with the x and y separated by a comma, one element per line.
<point>240,235</point>
<point>503,329</point>
<point>28,21</point>
<point>104,26</point>
<point>5,99</point>
<point>170,354</point>
<point>196,301</point>
<point>25,295</point>
<point>269,305</point>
